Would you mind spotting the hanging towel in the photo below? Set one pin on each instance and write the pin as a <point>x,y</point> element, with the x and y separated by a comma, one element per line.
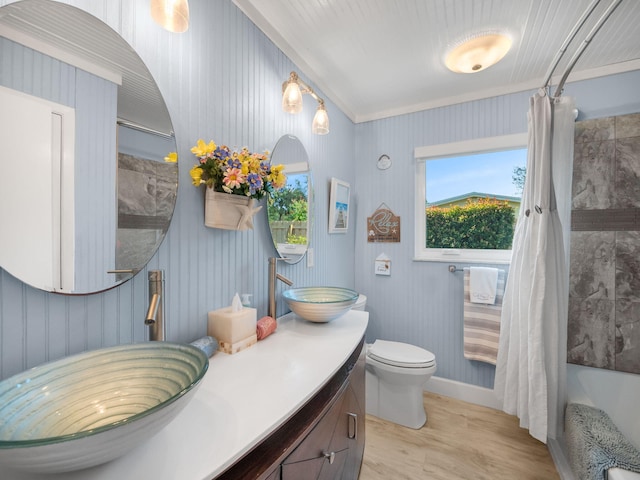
<point>483,282</point>
<point>482,322</point>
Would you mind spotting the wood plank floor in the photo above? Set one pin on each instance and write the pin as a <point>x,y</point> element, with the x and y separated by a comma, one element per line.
<point>460,441</point>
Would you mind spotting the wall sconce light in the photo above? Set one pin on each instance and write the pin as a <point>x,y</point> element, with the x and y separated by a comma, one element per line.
<point>478,53</point>
<point>172,15</point>
<point>292,91</point>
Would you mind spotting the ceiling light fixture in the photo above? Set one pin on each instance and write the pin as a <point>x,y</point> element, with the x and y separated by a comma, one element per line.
<point>478,53</point>
<point>172,15</point>
<point>292,91</point>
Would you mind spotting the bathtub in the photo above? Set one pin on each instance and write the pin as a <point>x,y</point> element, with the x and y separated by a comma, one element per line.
<point>617,394</point>
<point>619,474</point>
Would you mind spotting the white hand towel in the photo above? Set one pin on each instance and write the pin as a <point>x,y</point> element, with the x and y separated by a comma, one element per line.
<point>482,285</point>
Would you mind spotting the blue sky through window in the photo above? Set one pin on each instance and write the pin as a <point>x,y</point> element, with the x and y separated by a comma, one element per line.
<point>485,173</point>
<point>298,180</point>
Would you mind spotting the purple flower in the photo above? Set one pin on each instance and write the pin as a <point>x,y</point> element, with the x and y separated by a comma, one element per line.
<point>234,163</point>
<point>221,153</point>
<point>255,182</point>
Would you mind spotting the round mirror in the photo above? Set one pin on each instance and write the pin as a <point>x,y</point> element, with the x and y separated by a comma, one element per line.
<point>290,209</point>
<point>88,175</point>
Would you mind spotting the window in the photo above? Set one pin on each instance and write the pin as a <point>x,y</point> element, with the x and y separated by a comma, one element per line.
<point>467,199</point>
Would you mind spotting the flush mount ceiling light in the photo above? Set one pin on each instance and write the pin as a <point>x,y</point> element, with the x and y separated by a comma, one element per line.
<point>478,53</point>
<point>172,15</point>
<point>292,91</point>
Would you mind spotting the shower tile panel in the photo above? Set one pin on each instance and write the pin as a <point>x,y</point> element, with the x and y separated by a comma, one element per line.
<point>145,205</point>
<point>627,188</point>
<point>145,186</point>
<point>627,125</point>
<point>628,266</point>
<point>612,219</point>
<point>592,269</point>
<point>595,130</point>
<point>627,336</point>
<point>604,283</point>
<point>594,175</point>
<point>591,332</point>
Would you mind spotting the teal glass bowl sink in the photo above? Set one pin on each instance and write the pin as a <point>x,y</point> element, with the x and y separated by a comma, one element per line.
<point>320,304</point>
<point>90,408</point>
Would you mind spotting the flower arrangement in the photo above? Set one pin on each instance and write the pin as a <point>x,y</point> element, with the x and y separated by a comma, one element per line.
<point>235,172</point>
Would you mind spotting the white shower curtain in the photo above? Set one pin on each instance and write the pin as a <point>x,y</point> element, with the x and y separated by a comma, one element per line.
<point>530,370</point>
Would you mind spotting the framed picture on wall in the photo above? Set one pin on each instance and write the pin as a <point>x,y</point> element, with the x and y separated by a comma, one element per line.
<point>339,206</point>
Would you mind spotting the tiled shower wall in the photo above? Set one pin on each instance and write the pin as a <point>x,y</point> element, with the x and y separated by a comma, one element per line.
<point>604,296</point>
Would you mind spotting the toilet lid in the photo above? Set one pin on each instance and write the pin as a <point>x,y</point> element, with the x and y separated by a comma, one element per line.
<point>401,354</point>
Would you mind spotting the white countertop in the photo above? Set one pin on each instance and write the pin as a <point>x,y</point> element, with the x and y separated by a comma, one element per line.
<point>242,399</point>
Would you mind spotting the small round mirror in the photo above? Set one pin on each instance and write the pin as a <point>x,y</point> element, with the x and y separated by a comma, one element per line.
<point>290,209</point>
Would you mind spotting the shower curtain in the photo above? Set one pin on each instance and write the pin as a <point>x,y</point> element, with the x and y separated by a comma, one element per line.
<point>530,370</point>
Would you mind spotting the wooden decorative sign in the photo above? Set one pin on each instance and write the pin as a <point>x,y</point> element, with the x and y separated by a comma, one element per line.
<point>383,226</point>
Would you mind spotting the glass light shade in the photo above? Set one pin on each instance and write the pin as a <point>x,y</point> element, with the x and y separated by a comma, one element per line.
<point>292,98</point>
<point>478,53</point>
<point>173,15</point>
<point>320,125</point>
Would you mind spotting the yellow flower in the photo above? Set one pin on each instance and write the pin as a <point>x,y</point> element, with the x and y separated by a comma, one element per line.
<point>196,175</point>
<point>171,158</point>
<point>253,164</point>
<point>202,149</point>
<point>277,176</point>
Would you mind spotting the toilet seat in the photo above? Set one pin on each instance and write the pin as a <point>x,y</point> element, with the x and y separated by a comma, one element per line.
<point>399,354</point>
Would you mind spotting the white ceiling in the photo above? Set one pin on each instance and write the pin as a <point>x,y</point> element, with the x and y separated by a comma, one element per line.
<point>379,58</point>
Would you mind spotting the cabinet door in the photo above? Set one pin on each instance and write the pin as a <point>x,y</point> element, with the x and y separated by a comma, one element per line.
<point>354,406</point>
<point>322,468</point>
<point>323,453</point>
<point>275,475</point>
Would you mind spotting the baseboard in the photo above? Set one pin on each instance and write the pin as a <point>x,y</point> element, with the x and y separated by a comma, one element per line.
<point>463,391</point>
<point>557,452</point>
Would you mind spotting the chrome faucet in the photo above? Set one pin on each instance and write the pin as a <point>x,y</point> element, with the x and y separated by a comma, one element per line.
<point>155,315</point>
<point>274,276</point>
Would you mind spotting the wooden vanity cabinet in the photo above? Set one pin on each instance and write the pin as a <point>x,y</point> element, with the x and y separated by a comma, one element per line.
<point>323,440</point>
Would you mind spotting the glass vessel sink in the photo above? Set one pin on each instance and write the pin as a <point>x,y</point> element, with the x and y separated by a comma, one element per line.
<point>89,408</point>
<point>320,304</point>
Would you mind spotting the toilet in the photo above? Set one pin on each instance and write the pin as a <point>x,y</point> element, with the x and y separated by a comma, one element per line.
<point>395,377</point>
<point>361,302</point>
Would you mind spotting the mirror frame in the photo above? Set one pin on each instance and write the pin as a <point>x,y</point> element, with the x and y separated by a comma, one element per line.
<point>295,167</point>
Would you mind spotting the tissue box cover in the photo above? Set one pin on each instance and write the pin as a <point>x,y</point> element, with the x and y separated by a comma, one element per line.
<point>232,348</point>
<point>232,327</point>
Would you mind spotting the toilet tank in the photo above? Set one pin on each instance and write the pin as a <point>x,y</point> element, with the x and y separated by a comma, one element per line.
<point>360,303</point>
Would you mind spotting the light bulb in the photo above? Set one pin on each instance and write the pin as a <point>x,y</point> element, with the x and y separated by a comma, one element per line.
<point>320,125</point>
<point>292,98</point>
<point>172,15</point>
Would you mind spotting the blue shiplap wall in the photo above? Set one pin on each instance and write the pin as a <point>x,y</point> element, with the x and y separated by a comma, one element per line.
<point>421,302</point>
<point>221,80</point>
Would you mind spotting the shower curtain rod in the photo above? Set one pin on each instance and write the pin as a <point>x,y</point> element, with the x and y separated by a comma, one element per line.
<point>579,24</point>
<point>141,128</point>
<point>581,21</point>
<point>585,44</point>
